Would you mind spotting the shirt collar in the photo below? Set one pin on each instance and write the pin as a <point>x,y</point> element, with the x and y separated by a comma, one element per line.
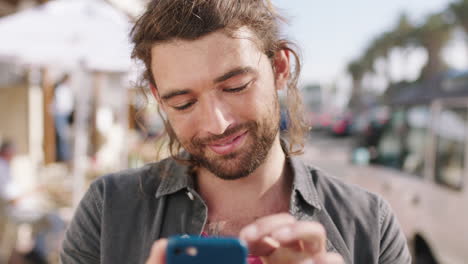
<point>176,177</point>
<point>303,183</point>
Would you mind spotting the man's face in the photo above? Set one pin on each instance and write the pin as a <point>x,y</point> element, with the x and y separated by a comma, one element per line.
<point>220,98</point>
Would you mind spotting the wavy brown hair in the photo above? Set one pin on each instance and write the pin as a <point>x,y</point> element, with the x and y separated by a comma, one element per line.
<point>166,20</point>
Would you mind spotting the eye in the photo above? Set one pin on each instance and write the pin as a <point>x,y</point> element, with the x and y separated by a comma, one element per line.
<point>184,106</point>
<point>237,89</point>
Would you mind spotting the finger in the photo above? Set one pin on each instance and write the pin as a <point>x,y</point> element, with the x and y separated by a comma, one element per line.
<point>334,258</point>
<point>264,226</point>
<point>158,252</point>
<point>312,235</point>
<point>256,235</point>
<point>267,245</point>
<point>329,258</point>
<point>295,245</point>
<point>285,255</point>
<point>263,247</point>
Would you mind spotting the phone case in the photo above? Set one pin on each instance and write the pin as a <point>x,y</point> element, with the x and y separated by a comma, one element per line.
<point>202,250</point>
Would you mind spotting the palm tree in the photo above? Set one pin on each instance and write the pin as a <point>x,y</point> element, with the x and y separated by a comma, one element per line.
<point>399,37</point>
<point>357,70</point>
<point>460,10</point>
<point>433,35</point>
<point>368,59</point>
<point>402,33</point>
<point>404,38</point>
<point>382,47</point>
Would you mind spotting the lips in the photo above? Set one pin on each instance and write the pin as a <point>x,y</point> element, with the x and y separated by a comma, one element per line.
<point>229,144</point>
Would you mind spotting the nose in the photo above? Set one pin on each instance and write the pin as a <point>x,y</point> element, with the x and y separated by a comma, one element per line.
<point>215,117</point>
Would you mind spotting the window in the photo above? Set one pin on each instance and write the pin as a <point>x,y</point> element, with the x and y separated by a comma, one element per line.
<point>403,143</point>
<point>450,131</point>
<point>417,120</point>
<point>390,149</point>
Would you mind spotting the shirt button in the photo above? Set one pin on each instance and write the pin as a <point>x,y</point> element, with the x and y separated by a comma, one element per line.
<point>190,195</point>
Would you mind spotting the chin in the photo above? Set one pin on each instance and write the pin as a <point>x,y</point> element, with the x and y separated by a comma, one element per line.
<point>233,166</point>
<point>232,175</point>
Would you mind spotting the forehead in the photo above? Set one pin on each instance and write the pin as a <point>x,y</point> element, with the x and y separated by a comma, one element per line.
<point>183,63</point>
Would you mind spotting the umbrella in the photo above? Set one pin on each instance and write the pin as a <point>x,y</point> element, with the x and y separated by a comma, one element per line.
<point>68,33</point>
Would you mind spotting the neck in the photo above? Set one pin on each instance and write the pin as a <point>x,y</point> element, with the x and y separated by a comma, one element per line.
<point>263,192</point>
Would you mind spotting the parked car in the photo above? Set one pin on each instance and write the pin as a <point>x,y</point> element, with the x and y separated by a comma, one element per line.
<point>422,168</point>
<point>341,125</point>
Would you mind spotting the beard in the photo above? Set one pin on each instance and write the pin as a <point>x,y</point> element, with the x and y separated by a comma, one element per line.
<point>238,164</point>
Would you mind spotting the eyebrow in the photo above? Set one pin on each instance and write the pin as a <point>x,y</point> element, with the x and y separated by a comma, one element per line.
<point>174,93</point>
<point>230,74</point>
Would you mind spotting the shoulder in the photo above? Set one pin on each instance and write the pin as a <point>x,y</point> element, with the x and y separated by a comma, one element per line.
<point>339,186</point>
<point>341,198</point>
<point>143,180</point>
<point>364,219</point>
<point>111,205</point>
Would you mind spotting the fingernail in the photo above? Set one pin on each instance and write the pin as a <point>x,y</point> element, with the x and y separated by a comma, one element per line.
<point>283,234</point>
<point>250,232</point>
<point>307,261</point>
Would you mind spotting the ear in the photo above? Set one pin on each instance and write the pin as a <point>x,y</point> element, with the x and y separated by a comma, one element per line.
<point>282,68</point>
<point>155,93</point>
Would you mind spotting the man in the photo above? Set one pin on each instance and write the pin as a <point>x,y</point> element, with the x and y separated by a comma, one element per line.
<point>63,104</point>
<point>7,152</point>
<point>215,67</point>
<point>7,197</point>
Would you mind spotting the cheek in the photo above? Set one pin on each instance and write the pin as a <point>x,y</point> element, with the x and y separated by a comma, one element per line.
<point>264,99</point>
<point>248,106</point>
<point>256,107</point>
<point>183,127</point>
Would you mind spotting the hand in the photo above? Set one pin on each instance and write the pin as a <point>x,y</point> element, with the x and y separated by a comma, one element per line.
<point>281,239</point>
<point>158,252</point>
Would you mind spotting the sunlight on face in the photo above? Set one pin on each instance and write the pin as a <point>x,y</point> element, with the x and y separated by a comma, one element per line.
<point>220,98</point>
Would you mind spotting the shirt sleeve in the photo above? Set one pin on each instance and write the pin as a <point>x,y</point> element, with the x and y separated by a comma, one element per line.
<point>82,239</point>
<point>393,245</point>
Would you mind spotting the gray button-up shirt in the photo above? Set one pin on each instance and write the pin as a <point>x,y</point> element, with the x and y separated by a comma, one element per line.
<point>122,214</point>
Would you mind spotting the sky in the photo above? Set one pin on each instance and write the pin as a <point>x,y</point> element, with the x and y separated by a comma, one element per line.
<point>333,32</point>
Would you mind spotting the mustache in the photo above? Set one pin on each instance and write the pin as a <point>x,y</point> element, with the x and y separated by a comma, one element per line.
<point>229,132</point>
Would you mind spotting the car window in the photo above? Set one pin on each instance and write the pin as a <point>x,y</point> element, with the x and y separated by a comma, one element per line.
<point>450,130</point>
<point>403,145</point>
<point>390,149</point>
<point>415,139</point>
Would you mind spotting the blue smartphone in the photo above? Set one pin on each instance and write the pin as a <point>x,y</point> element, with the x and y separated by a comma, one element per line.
<point>205,250</point>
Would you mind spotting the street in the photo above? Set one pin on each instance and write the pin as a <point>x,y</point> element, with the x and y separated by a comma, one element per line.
<point>331,154</point>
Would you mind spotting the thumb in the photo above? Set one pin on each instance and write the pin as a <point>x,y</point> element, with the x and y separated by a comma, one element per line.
<point>158,252</point>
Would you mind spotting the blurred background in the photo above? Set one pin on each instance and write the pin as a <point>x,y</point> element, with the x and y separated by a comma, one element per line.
<point>385,86</point>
